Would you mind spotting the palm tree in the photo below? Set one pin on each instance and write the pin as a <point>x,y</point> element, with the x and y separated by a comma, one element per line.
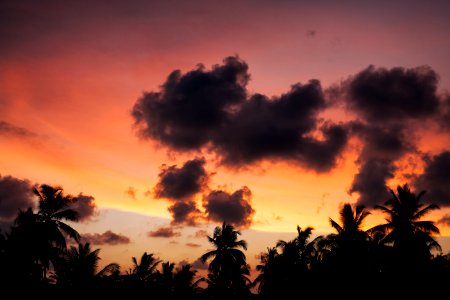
<point>54,207</point>
<point>145,270</point>
<point>79,266</point>
<point>268,280</point>
<point>184,281</point>
<point>228,269</point>
<point>350,246</point>
<point>410,237</point>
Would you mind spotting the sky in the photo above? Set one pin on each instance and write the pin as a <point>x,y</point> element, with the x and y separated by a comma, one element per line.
<point>166,117</point>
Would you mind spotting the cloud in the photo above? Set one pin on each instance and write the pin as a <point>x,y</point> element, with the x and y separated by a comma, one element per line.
<point>184,213</point>
<point>445,220</point>
<point>181,183</point>
<point>106,238</point>
<point>15,194</point>
<point>435,179</point>
<point>388,102</point>
<point>193,245</point>
<point>190,108</point>
<point>200,234</point>
<point>395,94</point>
<point>131,191</point>
<point>311,33</point>
<point>382,147</point>
<point>13,130</point>
<point>212,109</point>
<point>85,206</point>
<point>233,208</point>
<point>164,232</point>
<point>199,264</point>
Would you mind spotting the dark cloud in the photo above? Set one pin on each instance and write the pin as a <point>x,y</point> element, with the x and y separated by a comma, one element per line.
<point>190,108</point>
<point>445,220</point>
<point>185,212</point>
<point>395,94</point>
<point>131,191</point>
<point>193,245</point>
<point>435,179</point>
<point>199,264</point>
<point>164,232</point>
<point>233,208</point>
<point>108,238</point>
<point>181,183</point>
<point>210,109</point>
<point>13,130</point>
<point>85,206</point>
<point>382,147</point>
<point>15,194</point>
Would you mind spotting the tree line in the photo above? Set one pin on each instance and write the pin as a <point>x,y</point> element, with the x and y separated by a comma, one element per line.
<point>38,251</point>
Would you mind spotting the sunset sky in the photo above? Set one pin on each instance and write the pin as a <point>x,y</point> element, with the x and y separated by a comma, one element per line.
<point>297,108</point>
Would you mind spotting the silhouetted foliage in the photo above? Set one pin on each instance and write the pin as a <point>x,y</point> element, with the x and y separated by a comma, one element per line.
<point>34,253</point>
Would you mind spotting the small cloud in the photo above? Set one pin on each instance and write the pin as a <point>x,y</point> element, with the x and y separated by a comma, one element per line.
<point>445,220</point>
<point>148,193</point>
<point>200,234</point>
<point>13,130</point>
<point>85,206</point>
<point>199,264</point>
<point>277,218</point>
<point>311,33</point>
<point>131,191</point>
<point>173,242</point>
<point>164,232</point>
<point>108,238</point>
<point>193,245</point>
<point>233,208</point>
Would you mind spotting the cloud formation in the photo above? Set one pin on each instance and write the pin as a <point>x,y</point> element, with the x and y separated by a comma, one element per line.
<point>435,179</point>
<point>382,147</point>
<point>179,186</point>
<point>200,234</point>
<point>445,220</point>
<point>13,130</point>
<point>131,192</point>
<point>181,183</point>
<point>105,238</point>
<point>395,94</point>
<point>15,194</point>
<point>212,109</point>
<point>85,206</point>
<point>232,208</point>
<point>185,212</point>
<point>164,232</point>
<point>193,245</point>
<point>388,102</point>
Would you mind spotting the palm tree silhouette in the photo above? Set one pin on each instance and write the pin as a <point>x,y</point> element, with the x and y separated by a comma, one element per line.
<point>145,270</point>
<point>79,266</point>
<point>228,269</point>
<point>54,207</point>
<point>410,237</point>
<point>350,245</point>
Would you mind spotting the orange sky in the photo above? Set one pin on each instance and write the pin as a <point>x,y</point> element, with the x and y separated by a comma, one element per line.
<point>71,74</point>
